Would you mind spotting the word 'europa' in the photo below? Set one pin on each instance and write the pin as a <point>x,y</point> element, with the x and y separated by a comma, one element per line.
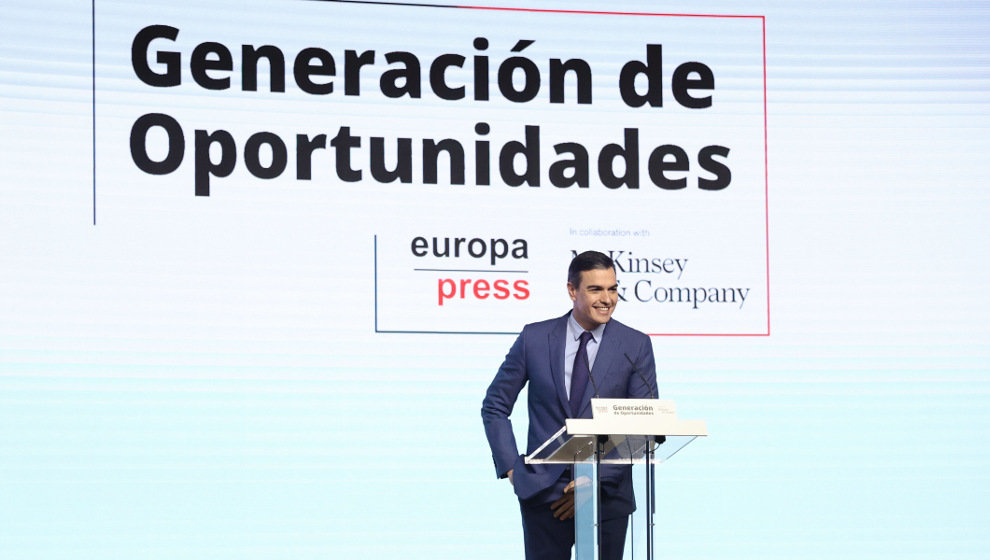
<point>477,248</point>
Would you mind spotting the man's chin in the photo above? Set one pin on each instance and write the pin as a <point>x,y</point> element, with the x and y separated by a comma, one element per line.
<point>602,318</point>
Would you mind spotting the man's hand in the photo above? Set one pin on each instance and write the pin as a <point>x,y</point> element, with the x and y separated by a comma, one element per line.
<point>510,477</point>
<point>563,508</point>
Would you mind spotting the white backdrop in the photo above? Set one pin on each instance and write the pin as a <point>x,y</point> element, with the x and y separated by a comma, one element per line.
<point>268,371</point>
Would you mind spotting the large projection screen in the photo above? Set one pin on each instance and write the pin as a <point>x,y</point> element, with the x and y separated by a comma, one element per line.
<point>260,260</point>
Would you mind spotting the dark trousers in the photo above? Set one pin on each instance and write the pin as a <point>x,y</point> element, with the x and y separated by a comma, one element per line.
<point>548,538</point>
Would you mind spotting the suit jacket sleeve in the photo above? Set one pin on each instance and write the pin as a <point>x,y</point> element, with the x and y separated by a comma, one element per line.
<point>498,404</point>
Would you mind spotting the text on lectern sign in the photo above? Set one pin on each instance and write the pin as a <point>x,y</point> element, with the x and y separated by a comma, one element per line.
<point>612,408</point>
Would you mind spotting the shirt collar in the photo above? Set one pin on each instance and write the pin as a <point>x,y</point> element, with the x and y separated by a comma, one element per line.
<point>574,329</point>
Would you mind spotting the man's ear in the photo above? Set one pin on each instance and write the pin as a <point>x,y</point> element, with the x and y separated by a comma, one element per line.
<point>572,291</point>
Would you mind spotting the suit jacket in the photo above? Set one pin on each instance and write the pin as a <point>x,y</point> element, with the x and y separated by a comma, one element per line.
<point>624,367</point>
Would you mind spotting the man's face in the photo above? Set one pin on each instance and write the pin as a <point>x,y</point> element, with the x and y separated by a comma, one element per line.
<point>595,297</point>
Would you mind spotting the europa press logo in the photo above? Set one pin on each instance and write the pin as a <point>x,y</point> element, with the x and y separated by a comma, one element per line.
<point>445,283</point>
<point>470,268</point>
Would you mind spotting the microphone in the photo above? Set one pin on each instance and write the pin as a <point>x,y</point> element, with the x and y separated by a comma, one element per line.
<point>660,440</point>
<point>641,376</point>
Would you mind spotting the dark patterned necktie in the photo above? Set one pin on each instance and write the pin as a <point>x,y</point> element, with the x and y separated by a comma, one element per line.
<point>580,373</point>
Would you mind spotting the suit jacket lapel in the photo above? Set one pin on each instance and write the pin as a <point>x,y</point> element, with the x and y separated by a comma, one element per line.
<point>556,344</point>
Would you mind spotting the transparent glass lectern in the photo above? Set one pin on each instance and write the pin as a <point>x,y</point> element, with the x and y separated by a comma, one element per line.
<point>637,432</point>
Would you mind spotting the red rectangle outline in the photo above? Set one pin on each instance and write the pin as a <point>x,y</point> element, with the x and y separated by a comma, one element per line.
<point>766,173</point>
<point>766,165</point>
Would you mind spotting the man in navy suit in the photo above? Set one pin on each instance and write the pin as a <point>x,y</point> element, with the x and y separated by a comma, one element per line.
<point>555,357</point>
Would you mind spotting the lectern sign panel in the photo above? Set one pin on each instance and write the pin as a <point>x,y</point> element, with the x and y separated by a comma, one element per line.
<point>609,408</point>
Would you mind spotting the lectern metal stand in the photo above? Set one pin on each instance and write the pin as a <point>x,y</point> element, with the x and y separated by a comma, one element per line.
<point>640,432</point>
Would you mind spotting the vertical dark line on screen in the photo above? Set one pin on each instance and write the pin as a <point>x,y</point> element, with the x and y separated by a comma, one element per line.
<point>93,60</point>
<point>375,253</point>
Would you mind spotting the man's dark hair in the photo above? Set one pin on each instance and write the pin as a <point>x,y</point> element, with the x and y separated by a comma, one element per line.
<point>588,260</point>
